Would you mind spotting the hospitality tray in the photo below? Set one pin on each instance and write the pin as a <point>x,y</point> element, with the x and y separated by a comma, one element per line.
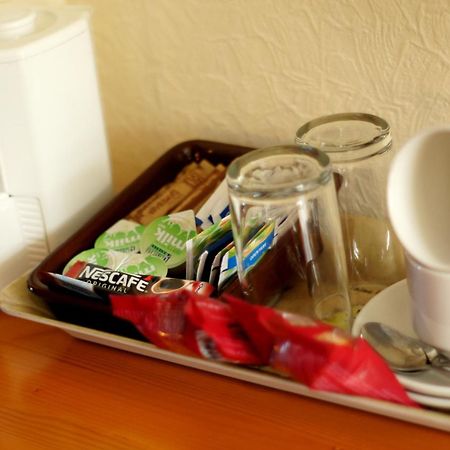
<point>17,301</point>
<point>85,320</point>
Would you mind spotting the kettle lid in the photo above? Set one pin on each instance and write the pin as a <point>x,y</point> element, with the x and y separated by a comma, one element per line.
<point>28,31</point>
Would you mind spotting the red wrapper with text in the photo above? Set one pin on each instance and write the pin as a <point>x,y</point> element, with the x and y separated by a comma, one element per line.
<point>232,330</point>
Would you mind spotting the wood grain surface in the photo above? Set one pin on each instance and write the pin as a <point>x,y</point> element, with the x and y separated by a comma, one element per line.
<point>57,392</point>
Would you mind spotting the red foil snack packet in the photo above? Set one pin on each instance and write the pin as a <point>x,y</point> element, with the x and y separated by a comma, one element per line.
<point>232,330</point>
<point>328,359</point>
<point>217,320</point>
<point>161,319</point>
<point>188,324</point>
<point>318,355</point>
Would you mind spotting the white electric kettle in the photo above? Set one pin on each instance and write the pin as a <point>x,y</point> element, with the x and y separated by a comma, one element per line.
<point>54,162</point>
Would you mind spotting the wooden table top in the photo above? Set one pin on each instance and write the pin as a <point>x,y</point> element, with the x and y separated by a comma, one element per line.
<point>57,392</point>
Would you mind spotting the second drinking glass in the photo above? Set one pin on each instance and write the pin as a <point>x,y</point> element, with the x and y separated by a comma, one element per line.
<point>359,147</point>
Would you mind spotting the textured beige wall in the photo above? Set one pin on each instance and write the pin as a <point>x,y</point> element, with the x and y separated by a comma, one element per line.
<point>250,71</point>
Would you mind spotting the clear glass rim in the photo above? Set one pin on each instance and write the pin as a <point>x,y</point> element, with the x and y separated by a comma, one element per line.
<point>350,151</point>
<point>294,186</point>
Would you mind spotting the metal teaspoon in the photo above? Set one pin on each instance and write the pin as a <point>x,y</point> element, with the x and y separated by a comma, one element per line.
<point>402,353</point>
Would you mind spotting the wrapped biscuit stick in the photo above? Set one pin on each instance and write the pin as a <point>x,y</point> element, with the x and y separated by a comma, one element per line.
<point>196,173</point>
<point>197,197</point>
<point>159,203</point>
<point>171,195</point>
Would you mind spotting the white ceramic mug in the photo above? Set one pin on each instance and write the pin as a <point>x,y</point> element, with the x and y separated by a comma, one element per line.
<point>419,209</point>
<point>418,197</point>
<point>430,294</point>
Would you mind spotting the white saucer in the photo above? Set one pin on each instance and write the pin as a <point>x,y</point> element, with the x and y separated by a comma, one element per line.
<point>429,400</point>
<point>392,306</point>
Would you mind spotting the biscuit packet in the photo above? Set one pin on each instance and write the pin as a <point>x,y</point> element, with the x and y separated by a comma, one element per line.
<point>231,330</point>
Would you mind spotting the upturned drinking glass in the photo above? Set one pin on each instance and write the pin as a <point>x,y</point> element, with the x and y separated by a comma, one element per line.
<point>359,146</point>
<point>287,232</point>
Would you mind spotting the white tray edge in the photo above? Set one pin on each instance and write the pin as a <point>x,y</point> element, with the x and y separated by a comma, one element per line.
<point>17,301</point>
